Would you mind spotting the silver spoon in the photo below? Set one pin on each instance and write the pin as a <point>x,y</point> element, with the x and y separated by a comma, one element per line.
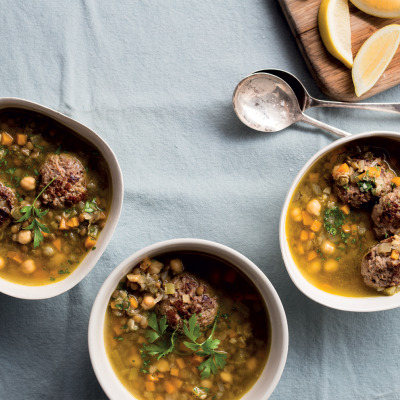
<point>307,101</point>
<point>267,103</point>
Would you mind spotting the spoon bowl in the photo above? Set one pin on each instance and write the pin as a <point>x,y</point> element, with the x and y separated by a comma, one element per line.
<point>267,103</point>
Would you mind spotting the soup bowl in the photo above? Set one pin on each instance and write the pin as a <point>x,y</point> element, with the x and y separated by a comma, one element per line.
<point>345,303</point>
<point>274,366</point>
<point>26,291</point>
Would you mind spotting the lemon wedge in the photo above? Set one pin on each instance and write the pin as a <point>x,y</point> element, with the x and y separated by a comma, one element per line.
<point>334,27</point>
<point>374,56</point>
<point>379,8</point>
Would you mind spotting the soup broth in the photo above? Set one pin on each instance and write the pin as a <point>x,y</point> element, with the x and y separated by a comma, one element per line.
<point>40,243</point>
<point>241,328</point>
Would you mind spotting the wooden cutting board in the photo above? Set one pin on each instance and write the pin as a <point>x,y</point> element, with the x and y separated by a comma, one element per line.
<point>332,76</point>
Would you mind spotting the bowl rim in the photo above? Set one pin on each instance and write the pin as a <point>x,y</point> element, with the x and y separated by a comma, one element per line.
<point>343,303</point>
<point>54,289</point>
<point>279,327</point>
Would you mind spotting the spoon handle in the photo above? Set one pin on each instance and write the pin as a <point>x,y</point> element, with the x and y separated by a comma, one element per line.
<point>386,107</point>
<point>322,125</point>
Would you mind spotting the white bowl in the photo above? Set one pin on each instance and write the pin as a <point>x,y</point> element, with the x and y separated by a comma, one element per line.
<point>279,329</point>
<point>359,304</point>
<point>54,289</point>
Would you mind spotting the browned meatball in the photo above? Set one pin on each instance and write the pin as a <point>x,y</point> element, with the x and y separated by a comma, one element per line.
<point>69,186</point>
<point>7,203</point>
<point>386,214</point>
<point>378,269</point>
<point>358,192</point>
<point>191,296</point>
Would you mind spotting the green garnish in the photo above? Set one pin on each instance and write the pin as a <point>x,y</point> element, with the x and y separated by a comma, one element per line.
<point>91,206</point>
<point>63,272</point>
<point>365,185</point>
<point>333,220</point>
<point>118,338</point>
<point>36,214</point>
<point>162,343</point>
<point>58,150</point>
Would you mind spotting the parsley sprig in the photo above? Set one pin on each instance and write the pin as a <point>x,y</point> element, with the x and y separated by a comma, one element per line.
<point>36,214</point>
<point>162,343</point>
<point>333,220</point>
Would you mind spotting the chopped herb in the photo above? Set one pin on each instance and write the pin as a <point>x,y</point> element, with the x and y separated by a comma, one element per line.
<point>94,248</point>
<point>118,338</point>
<point>11,171</point>
<point>91,206</point>
<point>58,150</point>
<point>36,214</point>
<point>63,272</point>
<point>36,172</point>
<point>333,220</point>
<point>39,147</point>
<point>52,279</point>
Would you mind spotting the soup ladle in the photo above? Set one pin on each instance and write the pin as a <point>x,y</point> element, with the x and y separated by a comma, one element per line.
<point>267,103</point>
<point>307,101</point>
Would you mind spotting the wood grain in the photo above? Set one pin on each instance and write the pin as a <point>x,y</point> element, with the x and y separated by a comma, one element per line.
<point>332,76</point>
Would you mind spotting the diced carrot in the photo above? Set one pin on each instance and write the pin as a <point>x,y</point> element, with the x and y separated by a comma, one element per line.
<point>371,172</point>
<point>90,242</point>
<point>177,382</point>
<point>300,249</point>
<point>394,255</point>
<point>311,255</point>
<point>346,209</point>
<point>307,218</point>
<point>152,377</point>
<point>396,180</point>
<point>354,229</point>
<point>180,362</point>
<point>6,139</point>
<point>316,226</point>
<point>161,376</point>
<point>346,228</point>
<point>314,177</point>
<point>303,235</point>
<point>169,387</point>
<point>311,235</point>
<point>57,244</point>
<point>118,330</point>
<point>150,386</point>
<point>196,359</point>
<point>144,264</point>
<point>344,168</point>
<point>73,222</point>
<point>15,256</point>
<point>21,139</point>
<point>113,305</point>
<point>81,217</point>
<point>45,234</point>
<point>63,225</point>
<point>133,302</point>
<point>174,372</point>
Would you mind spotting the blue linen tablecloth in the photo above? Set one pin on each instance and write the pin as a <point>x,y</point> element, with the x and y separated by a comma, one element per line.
<point>155,79</point>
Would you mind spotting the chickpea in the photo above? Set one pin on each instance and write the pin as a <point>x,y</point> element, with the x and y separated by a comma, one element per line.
<point>155,267</point>
<point>163,365</point>
<point>24,236</point>
<point>331,265</point>
<point>176,265</point>
<point>148,302</point>
<point>48,251</point>
<point>144,323</point>
<point>15,228</point>
<point>328,247</point>
<point>296,214</point>
<point>28,183</point>
<point>2,263</point>
<point>206,383</point>
<point>137,318</point>
<point>252,363</point>
<point>29,146</point>
<point>200,290</point>
<point>226,377</point>
<point>314,267</point>
<point>314,207</point>
<point>28,266</point>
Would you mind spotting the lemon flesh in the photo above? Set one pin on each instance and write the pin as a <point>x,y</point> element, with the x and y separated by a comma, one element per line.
<point>379,8</point>
<point>334,28</point>
<point>374,56</point>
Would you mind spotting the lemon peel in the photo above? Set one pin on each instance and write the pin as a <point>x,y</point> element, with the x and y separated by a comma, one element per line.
<point>374,56</point>
<point>379,8</point>
<point>334,28</point>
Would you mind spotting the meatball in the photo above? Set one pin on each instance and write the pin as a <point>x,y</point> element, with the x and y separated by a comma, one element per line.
<point>69,187</point>
<point>7,203</point>
<point>357,186</point>
<point>191,296</point>
<point>378,269</point>
<point>386,214</point>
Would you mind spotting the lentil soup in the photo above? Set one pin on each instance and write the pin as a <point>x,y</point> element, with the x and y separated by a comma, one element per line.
<point>54,198</point>
<point>329,229</point>
<point>171,334</point>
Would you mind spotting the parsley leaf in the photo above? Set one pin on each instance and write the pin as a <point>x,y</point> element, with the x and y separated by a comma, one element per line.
<point>91,206</point>
<point>333,220</point>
